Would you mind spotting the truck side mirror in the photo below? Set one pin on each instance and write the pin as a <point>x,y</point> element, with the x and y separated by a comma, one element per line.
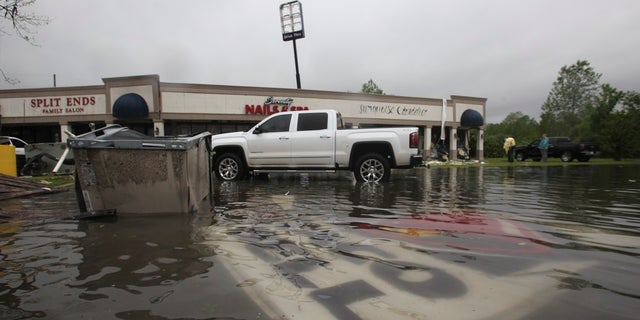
<point>257,130</point>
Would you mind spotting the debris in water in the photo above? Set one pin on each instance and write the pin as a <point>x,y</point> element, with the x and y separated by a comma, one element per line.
<point>13,187</point>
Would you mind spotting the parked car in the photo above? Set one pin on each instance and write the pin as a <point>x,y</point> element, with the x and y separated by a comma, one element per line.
<point>13,141</point>
<point>559,147</point>
<point>314,141</point>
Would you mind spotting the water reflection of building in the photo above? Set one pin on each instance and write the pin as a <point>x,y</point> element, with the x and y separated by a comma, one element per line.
<point>455,187</point>
<point>145,104</point>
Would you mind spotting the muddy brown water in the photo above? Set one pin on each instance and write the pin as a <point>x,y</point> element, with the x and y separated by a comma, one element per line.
<point>439,243</point>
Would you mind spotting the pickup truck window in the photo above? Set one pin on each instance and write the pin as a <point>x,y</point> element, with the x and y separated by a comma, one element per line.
<point>278,123</point>
<point>312,121</point>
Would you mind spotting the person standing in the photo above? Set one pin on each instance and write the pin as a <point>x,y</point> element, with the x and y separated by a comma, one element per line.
<point>543,146</point>
<point>509,146</point>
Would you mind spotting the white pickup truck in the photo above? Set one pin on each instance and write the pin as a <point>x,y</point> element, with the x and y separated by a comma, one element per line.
<point>314,141</point>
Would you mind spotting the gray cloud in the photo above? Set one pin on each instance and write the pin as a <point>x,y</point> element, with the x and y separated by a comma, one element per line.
<point>507,51</point>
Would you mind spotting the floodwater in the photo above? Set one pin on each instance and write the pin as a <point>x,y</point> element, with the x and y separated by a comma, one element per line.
<point>441,243</point>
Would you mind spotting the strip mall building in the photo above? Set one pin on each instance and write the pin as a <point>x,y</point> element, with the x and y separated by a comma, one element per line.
<point>156,108</point>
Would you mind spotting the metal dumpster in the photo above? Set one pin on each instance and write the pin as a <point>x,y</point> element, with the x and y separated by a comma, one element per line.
<point>122,169</point>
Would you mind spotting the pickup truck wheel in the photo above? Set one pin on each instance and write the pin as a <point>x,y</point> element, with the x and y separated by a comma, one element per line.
<point>229,167</point>
<point>520,156</point>
<point>372,167</point>
<point>566,156</point>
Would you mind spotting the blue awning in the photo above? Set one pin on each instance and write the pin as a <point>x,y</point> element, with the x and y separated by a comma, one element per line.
<point>471,118</point>
<point>130,105</point>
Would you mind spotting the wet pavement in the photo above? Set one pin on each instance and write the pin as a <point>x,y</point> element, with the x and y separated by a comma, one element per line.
<point>440,243</point>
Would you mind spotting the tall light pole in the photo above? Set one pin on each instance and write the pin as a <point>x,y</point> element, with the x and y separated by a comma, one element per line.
<point>292,28</point>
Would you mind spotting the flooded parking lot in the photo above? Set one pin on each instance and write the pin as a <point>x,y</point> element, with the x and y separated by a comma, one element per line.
<point>440,243</point>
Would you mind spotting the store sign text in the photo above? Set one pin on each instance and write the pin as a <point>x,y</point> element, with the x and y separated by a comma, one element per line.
<point>62,105</point>
<point>273,105</point>
<point>393,110</point>
<point>270,109</point>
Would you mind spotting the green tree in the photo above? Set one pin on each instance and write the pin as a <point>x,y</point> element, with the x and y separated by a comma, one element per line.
<point>598,112</point>
<point>521,127</point>
<point>22,23</point>
<point>565,108</point>
<point>620,132</point>
<point>371,88</point>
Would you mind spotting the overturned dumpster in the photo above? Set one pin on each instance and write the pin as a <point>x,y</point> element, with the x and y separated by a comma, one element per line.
<point>122,169</point>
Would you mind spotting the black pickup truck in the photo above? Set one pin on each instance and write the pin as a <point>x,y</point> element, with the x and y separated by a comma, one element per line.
<point>559,147</point>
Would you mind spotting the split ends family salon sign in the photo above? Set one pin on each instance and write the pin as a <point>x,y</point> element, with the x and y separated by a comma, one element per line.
<point>55,106</point>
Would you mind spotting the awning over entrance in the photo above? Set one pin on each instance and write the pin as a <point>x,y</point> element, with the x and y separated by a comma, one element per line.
<point>130,105</point>
<point>471,118</point>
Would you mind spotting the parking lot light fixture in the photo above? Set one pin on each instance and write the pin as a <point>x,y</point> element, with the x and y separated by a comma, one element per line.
<point>292,28</point>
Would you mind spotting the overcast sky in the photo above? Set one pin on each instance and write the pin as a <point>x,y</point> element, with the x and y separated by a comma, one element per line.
<point>509,52</point>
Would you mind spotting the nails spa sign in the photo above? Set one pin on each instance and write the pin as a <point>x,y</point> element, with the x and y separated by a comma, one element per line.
<point>273,105</point>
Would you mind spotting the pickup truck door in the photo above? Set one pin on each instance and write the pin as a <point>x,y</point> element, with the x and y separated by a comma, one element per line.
<point>313,141</point>
<point>269,143</point>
